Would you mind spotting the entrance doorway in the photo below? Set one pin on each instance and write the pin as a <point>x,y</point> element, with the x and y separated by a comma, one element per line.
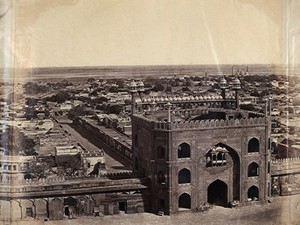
<point>122,206</point>
<point>217,193</point>
<point>253,193</point>
<point>67,211</point>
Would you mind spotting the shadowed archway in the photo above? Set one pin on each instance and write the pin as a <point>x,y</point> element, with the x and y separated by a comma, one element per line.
<point>217,193</point>
<point>184,201</point>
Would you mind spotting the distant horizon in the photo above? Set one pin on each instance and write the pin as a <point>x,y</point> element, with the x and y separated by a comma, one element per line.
<point>156,65</point>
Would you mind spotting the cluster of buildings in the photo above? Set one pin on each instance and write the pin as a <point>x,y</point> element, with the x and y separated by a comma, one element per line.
<point>227,144</point>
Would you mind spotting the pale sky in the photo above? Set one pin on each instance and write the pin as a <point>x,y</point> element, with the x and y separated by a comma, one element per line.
<point>145,32</point>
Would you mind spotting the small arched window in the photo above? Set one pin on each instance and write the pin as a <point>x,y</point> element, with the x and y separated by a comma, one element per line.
<point>184,201</point>
<point>253,193</point>
<point>253,145</point>
<point>184,150</point>
<point>184,176</point>
<point>253,170</point>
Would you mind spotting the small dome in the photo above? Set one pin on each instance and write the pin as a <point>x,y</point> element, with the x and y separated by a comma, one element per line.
<point>236,81</point>
<point>140,84</point>
<point>223,83</point>
<point>133,84</point>
<point>138,100</point>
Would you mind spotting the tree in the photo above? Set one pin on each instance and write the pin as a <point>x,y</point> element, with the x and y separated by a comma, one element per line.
<point>114,109</point>
<point>38,168</point>
<point>17,142</point>
<point>60,97</point>
<point>158,87</point>
<point>77,111</point>
<point>91,80</point>
<point>113,89</point>
<point>120,83</point>
<point>249,107</point>
<point>31,101</point>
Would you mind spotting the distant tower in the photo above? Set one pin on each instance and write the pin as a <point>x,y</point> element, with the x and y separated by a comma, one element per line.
<point>236,87</point>
<point>223,86</point>
<point>206,77</point>
<point>133,88</point>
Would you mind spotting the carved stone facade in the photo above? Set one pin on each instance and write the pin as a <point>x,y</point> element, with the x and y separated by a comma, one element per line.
<point>200,160</point>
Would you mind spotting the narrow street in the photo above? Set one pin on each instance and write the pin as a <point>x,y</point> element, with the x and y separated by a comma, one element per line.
<point>92,144</point>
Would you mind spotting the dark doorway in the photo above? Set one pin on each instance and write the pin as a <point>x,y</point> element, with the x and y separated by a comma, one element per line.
<point>184,201</point>
<point>217,193</point>
<point>161,204</point>
<point>122,206</point>
<point>253,193</point>
<point>67,211</point>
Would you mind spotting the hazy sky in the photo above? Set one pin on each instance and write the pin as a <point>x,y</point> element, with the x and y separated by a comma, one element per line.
<point>145,32</point>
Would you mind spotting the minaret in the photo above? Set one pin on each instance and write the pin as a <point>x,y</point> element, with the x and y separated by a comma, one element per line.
<point>169,105</point>
<point>140,89</point>
<point>133,90</point>
<point>206,77</point>
<point>236,87</point>
<point>223,86</point>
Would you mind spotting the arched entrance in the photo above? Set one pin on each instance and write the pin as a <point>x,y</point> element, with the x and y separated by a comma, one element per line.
<point>217,193</point>
<point>184,201</point>
<point>253,193</point>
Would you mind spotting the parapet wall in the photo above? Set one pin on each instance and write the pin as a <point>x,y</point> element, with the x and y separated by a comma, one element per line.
<point>72,185</point>
<point>286,161</point>
<point>200,124</point>
<point>285,166</point>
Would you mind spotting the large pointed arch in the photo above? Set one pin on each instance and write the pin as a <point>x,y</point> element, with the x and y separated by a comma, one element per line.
<point>236,168</point>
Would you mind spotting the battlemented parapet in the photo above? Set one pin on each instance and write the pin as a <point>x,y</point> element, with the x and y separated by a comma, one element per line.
<point>285,166</point>
<point>200,124</point>
<point>179,99</point>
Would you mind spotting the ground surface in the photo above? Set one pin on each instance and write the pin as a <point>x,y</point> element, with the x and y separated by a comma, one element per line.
<point>282,210</point>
